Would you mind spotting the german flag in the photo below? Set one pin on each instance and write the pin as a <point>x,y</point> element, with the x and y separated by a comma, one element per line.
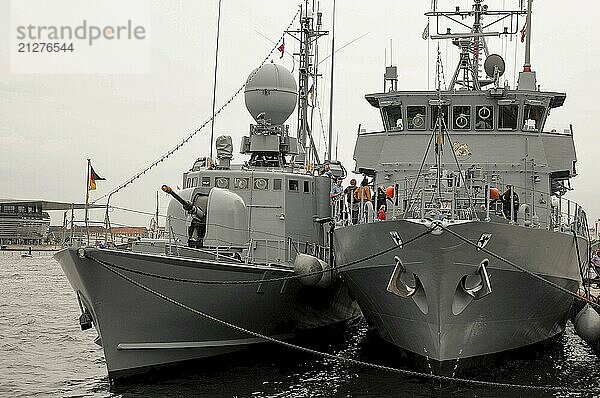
<point>93,178</point>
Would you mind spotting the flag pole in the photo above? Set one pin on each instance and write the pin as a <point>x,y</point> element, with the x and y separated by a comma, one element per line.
<point>87,200</point>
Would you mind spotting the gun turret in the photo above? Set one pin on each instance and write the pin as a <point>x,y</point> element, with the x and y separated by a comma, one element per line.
<point>187,205</point>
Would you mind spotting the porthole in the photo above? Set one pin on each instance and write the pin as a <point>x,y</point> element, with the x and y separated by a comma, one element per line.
<point>261,183</point>
<point>462,121</point>
<point>241,183</point>
<point>418,121</point>
<point>484,113</point>
<point>222,182</point>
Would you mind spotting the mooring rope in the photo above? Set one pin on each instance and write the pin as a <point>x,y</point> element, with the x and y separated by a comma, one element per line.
<point>352,361</point>
<point>193,133</point>
<point>520,268</point>
<point>252,281</point>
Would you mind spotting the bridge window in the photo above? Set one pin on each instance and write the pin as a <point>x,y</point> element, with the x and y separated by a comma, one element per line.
<point>434,116</point>
<point>195,182</point>
<point>532,117</point>
<point>507,118</point>
<point>392,117</point>
<point>206,181</point>
<point>293,185</point>
<point>484,118</point>
<point>415,117</point>
<point>306,186</point>
<point>277,184</point>
<point>461,117</point>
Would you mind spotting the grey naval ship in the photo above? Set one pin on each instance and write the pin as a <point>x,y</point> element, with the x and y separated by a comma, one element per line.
<point>264,220</point>
<point>477,230</point>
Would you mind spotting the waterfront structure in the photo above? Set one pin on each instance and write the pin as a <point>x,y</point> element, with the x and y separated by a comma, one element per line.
<point>23,222</point>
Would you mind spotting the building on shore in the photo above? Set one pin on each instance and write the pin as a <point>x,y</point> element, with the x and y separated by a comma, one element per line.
<point>23,223</point>
<point>27,222</point>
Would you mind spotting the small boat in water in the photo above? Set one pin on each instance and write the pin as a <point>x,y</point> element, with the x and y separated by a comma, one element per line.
<point>238,236</point>
<point>458,272</point>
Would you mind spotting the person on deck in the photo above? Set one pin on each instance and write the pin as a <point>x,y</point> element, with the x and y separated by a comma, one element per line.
<point>381,196</point>
<point>363,196</point>
<point>352,204</point>
<point>337,197</point>
<point>327,170</point>
<point>510,197</point>
<point>381,214</point>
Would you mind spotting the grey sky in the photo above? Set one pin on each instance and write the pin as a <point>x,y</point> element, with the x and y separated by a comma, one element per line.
<point>50,123</point>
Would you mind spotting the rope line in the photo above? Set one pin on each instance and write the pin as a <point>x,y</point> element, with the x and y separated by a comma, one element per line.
<point>520,268</point>
<point>252,281</point>
<point>192,134</point>
<point>345,359</point>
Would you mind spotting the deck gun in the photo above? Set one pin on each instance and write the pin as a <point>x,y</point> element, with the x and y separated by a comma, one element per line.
<point>188,206</point>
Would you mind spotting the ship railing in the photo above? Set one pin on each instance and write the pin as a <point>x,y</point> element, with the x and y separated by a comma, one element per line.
<point>311,248</point>
<point>467,201</point>
<point>422,198</point>
<point>540,209</point>
<point>279,251</point>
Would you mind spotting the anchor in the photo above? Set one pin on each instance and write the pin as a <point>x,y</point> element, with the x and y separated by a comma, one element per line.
<point>397,286</point>
<point>481,288</point>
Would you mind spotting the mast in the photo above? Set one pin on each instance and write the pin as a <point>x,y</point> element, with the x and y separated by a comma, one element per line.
<point>308,34</point>
<point>212,122</point>
<point>331,86</point>
<point>471,41</point>
<point>527,66</point>
<point>527,78</point>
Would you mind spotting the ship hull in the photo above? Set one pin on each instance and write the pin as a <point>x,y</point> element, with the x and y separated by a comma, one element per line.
<point>140,331</point>
<point>442,324</point>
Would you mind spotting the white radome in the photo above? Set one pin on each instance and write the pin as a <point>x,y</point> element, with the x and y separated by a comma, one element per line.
<point>271,91</point>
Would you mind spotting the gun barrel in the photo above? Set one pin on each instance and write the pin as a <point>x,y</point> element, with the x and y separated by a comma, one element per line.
<point>186,204</point>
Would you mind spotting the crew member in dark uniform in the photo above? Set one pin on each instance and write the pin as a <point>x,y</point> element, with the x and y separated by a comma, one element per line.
<point>506,202</point>
<point>197,227</point>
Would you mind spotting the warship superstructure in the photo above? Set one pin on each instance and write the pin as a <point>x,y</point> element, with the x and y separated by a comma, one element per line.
<point>261,222</point>
<point>479,250</point>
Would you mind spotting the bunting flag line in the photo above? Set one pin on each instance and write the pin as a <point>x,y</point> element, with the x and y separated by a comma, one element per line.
<point>524,33</point>
<point>281,49</point>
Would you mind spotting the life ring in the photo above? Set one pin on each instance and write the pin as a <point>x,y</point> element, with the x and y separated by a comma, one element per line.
<point>461,121</point>
<point>418,121</point>
<point>484,113</point>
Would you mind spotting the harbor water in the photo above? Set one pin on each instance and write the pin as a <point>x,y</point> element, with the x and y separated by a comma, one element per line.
<point>44,353</point>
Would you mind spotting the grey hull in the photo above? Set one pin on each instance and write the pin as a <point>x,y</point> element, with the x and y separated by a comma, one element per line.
<point>439,321</point>
<point>139,330</point>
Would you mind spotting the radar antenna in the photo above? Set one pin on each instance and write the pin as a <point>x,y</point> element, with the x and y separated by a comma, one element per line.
<point>471,42</point>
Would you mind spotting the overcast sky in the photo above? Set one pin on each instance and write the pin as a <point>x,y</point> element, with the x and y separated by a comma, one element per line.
<point>50,123</point>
